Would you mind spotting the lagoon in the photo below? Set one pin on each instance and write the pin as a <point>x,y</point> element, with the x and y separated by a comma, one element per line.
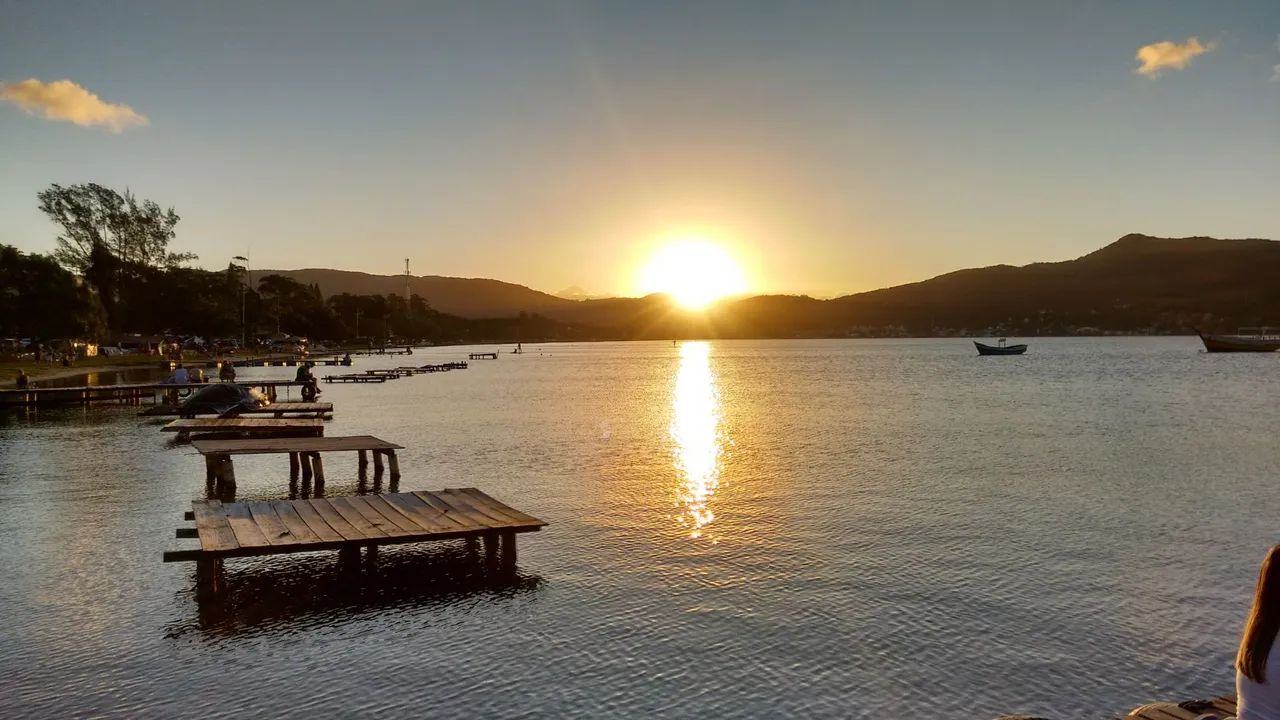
<point>839,528</point>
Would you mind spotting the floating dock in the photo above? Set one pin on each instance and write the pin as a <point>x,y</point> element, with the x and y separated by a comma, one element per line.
<point>356,378</point>
<point>125,393</point>
<point>483,356</point>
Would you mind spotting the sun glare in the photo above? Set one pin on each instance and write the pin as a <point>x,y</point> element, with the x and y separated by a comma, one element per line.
<point>695,273</point>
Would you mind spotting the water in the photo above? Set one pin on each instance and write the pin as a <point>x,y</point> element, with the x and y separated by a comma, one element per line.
<point>738,529</point>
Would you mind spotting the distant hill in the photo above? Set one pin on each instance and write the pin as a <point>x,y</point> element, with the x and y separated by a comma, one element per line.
<point>1137,284</point>
<point>467,297</point>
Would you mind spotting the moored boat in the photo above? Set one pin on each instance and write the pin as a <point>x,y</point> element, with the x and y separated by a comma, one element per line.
<point>1001,349</point>
<point>1259,340</point>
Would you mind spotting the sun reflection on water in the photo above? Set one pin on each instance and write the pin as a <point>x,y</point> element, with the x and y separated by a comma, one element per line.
<point>695,428</point>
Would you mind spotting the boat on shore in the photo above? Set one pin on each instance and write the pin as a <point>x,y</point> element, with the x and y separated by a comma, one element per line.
<point>1000,349</point>
<point>1246,340</point>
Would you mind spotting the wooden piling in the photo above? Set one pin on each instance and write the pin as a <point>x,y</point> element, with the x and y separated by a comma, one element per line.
<point>293,467</point>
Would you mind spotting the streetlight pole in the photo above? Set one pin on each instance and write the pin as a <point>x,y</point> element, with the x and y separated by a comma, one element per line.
<point>244,324</point>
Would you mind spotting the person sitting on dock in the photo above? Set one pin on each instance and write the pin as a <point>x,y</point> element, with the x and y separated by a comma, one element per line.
<point>227,373</point>
<point>196,375</point>
<point>312,388</point>
<point>22,381</point>
<point>180,375</point>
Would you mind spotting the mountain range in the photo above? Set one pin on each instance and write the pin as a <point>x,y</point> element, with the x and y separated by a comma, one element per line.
<point>1137,284</point>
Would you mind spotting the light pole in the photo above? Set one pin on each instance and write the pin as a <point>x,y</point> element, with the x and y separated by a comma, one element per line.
<point>244,325</point>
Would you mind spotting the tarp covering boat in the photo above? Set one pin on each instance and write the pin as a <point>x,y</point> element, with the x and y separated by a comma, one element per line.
<point>222,399</point>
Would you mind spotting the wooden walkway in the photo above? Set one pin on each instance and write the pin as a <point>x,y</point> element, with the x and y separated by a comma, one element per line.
<point>126,393</point>
<point>317,409</point>
<point>355,378</point>
<point>483,356</point>
<point>257,427</point>
<point>1223,707</point>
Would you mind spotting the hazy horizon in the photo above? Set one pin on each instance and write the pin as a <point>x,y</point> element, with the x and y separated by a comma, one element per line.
<point>829,149</point>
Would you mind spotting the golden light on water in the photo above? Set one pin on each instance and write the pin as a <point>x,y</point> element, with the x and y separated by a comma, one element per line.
<point>695,428</point>
<point>694,271</point>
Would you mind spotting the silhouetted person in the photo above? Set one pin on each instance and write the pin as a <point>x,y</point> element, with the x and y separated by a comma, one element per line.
<point>227,373</point>
<point>22,380</point>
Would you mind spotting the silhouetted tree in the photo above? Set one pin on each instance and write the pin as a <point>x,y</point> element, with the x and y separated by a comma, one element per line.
<point>93,216</point>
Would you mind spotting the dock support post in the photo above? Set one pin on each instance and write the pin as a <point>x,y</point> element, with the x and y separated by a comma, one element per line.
<point>210,476</point>
<point>293,467</point>
<point>209,578</point>
<point>364,463</point>
<point>508,550</point>
<point>226,479</point>
<point>317,466</point>
<point>393,465</point>
<point>377,465</point>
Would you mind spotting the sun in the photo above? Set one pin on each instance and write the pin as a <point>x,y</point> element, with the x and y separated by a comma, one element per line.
<point>694,272</point>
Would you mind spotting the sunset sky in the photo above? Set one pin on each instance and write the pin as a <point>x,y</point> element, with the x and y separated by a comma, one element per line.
<point>828,147</point>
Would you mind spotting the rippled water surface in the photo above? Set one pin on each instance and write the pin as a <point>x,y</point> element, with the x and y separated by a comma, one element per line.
<point>737,529</point>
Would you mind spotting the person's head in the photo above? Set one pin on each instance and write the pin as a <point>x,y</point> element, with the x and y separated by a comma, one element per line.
<point>178,367</point>
<point>1264,620</point>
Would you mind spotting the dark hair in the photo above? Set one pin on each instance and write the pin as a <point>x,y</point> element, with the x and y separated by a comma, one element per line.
<point>1264,621</point>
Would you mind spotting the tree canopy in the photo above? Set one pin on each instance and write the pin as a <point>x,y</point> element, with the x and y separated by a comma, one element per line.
<point>93,216</point>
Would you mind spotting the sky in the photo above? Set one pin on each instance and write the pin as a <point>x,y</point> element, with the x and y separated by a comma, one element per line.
<point>828,147</point>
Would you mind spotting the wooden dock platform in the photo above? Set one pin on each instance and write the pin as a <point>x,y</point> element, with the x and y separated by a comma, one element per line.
<point>483,356</point>
<point>287,526</point>
<point>257,427</point>
<point>125,393</point>
<point>304,458</point>
<point>1223,707</point>
<point>355,378</point>
<point>280,409</point>
<point>346,524</point>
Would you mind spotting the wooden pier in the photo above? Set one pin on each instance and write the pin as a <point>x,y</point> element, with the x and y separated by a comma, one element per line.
<point>347,524</point>
<point>1223,707</point>
<point>125,393</point>
<point>304,458</point>
<point>392,350</point>
<point>280,409</point>
<point>483,356</point>
<point>355,378</point>
<point>254,427</point>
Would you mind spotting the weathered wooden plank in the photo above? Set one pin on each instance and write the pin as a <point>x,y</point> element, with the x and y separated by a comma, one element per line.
<point>273,529</point>
<point>397,518</point>
<point>296,525</point>
<point>465,502</point>
<point>423,513</point>
<point>314,521</point>
<point>321,508</point>
<point>460,510</point>
<point>375,518</point>
<point>242,524</point>
<point>356,520</point>
<point>211,523</point>
<point>467,521</point>
<point>502,507</point>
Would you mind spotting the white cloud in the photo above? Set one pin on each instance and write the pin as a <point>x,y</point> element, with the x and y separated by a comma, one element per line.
<point>1168,54</point>
<point>65,100</point>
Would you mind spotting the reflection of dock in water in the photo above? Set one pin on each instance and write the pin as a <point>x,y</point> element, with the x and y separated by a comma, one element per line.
<point>409,578</point>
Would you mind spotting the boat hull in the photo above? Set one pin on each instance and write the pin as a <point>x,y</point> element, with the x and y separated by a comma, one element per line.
<point>998,350</point>
<point>1238,343</point>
